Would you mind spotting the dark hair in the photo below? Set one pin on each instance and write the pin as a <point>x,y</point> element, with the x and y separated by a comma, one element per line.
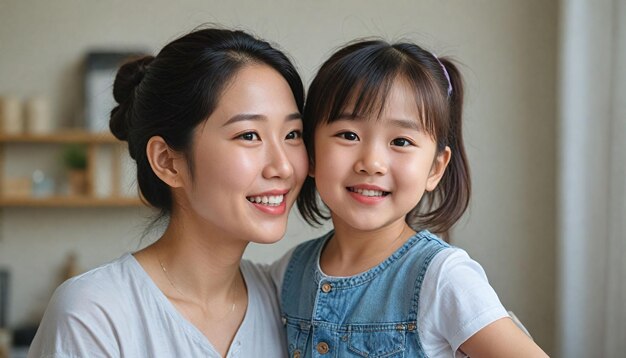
<point>170,94</point>
<point>363,73</point>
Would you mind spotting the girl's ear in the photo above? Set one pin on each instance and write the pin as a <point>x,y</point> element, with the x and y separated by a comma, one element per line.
<point>438,168</point>
<point>165,162</point>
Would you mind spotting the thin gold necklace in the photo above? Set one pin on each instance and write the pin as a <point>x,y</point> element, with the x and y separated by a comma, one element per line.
<point>167,276</point>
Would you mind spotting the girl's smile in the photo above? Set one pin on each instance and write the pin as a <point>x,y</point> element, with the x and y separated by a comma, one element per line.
<point>368,194</point>
<point>380,167</point>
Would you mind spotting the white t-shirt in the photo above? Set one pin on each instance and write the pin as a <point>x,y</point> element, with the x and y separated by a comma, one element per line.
<point>116,310</point>
<point>456,301</point>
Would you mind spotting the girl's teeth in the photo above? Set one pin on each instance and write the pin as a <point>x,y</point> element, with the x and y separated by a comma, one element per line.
<point>367,192</point>
<point>271,200</point>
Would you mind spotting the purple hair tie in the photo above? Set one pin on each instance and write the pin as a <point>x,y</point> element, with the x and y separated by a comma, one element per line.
<point>445,72</point>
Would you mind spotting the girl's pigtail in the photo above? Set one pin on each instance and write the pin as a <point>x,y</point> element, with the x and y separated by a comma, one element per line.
<point>453,192</point>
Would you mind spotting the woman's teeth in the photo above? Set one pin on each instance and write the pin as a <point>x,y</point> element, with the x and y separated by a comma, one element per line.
<point>368,192</point>
<point>271,200</point>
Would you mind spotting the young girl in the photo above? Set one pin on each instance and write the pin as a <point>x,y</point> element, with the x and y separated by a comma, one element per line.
<point>213,123</point>
<point>383,133</point>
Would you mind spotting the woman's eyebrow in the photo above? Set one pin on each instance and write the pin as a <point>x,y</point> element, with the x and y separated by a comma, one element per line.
<point>245,117</point>
<point>258,117</point>
<point>294,116</point>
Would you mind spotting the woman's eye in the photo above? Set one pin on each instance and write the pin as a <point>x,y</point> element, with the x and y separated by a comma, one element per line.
<point>248,136</point>
<point>401,142</point>
<point>297,134</point>
<point>351,136</point>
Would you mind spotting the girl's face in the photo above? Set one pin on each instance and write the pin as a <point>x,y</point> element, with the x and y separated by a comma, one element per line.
<point>371,172</point>
<point>249,158</point>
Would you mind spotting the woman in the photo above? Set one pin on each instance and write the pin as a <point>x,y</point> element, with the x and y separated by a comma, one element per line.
<point>213,123</point>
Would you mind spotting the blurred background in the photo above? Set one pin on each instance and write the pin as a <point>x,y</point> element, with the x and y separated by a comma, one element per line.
<point>545,124</point>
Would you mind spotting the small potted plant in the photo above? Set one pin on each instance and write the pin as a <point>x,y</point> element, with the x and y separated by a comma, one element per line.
<point>75,160</point>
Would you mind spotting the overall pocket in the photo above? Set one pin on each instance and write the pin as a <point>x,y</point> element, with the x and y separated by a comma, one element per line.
<point>377,343</point>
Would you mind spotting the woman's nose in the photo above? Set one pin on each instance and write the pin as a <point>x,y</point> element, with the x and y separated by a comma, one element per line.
<point>278,164</point>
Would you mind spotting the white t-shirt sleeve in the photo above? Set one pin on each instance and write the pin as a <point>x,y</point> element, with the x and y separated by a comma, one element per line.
<point>456,301</point>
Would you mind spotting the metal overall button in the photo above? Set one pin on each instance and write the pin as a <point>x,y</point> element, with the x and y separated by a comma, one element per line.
<point>326,287</point>
<point>322,348</point>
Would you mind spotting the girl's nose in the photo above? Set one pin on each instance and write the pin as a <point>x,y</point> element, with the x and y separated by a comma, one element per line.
<point>278,164</point>
<point>372,161</point>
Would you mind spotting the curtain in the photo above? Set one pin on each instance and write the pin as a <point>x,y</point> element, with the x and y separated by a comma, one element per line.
<point>591,270</point>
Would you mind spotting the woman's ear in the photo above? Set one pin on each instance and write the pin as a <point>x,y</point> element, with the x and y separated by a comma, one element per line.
<point>438,168</point>
<point>165,162</point>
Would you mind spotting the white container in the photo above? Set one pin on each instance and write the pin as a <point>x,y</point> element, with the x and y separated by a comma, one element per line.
<point>38,117</point>
<point>11,120</point>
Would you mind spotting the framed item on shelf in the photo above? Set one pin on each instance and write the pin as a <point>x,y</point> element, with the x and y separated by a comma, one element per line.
<point>100,70</point>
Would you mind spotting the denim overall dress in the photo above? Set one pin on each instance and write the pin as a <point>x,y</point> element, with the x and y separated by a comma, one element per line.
<point>372,314</point>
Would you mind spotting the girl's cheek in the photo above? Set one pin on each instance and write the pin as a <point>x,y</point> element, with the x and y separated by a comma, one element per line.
<point>302,166</point>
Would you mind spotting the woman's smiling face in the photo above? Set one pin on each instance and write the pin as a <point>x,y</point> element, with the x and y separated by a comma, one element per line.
<point>249,160</point>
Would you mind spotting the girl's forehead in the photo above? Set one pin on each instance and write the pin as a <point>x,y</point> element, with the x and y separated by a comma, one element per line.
<point>398,102</point>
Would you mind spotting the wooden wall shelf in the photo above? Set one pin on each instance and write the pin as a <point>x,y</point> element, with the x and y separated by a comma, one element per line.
<point>61,137</point>
<point>92,142</point>
<point>68,201</point>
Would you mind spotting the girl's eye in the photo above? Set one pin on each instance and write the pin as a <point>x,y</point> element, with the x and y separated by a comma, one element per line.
<point>351,136</point>
<point>401,142</point>
<point>297,134</point>
<point>250,136</point>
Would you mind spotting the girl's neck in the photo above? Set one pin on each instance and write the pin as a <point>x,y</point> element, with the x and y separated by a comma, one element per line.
<point>351,251</point>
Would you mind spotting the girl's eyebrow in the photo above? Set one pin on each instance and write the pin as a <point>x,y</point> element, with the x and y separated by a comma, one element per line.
<point>258,117</point>
<point>348,116</point>
<point>407,123</point>
<point>396,122</point>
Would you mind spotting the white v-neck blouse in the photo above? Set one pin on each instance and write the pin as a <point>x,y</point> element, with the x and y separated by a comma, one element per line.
<point>116,310</point>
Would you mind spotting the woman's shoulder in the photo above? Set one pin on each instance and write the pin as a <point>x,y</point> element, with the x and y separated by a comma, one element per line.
<point>90,308</point>
<point>99,286</point>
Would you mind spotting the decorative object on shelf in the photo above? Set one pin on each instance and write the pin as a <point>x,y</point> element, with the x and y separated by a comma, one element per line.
<point>5,343</point>
<point>70,269</point>
<point>42,185</point>
<point>20,187</point>
<point>75,159</point>
<point>37,116</point>
<point>103,171</point>
<point>11,121</point>
<point>100,70</point>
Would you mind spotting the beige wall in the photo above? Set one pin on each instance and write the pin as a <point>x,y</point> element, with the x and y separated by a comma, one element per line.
<point>508,51</point>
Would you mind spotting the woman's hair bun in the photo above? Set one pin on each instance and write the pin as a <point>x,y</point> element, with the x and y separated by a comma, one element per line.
<point>128,77</point>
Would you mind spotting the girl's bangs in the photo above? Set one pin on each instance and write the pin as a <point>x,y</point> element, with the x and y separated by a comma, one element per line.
<point>366,99</point>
